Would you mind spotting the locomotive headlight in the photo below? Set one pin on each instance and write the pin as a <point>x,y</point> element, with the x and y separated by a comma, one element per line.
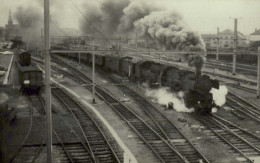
<point>26,82</point>
<point>198,102</point>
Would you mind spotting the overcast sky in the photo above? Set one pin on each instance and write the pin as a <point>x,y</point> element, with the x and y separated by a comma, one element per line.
<point>203,16</point>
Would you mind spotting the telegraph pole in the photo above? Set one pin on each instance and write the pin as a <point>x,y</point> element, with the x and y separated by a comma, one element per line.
<point>258,74</point>
<point>217,44</point>
<point>47,79</point>
<point>93,73</point>
<point>235,47</point>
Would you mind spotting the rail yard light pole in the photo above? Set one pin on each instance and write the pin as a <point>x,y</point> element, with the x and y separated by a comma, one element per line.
<point>258,73</point>
<point>217,44</point>
<point>47,79</point>
<point>93,73</point>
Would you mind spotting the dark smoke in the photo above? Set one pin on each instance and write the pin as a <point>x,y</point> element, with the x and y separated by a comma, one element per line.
<point>133,12</point>
<point>105,17</point>
<point>169,30</point>
<point>30,20</point>
<point>196,61</point>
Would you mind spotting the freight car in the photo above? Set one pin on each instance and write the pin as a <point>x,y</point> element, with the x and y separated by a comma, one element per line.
<point>23,57</point>
<point>196,87</point>
<point>29,75</point>
<point>30,78</point>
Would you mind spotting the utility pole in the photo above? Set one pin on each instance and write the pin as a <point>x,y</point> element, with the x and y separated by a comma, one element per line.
<point>47,79</point>
<point>235,47</point>
<point>41,42</point>
<point>93,73</point>
<point>217,44</point>
<point>258,74</point>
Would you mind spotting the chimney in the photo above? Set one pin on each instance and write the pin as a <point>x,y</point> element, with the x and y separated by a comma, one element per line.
<point>255,29</point>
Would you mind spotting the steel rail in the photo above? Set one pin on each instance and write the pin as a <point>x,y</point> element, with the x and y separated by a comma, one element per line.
<point>100,89</point>
<point>54,90</point>
<point>25,138</point>
<point>210,120</point>
<point>152,109</point>
<point>251,135</point>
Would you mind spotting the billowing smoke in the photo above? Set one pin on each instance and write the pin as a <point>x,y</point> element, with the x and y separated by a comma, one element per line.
<point>30,20</point>
<point>166,28</point>
<point>135,11</point>
<point>169,30</point>
<point>219,95</point>
<point>163,96</point>
<point>106,16</point>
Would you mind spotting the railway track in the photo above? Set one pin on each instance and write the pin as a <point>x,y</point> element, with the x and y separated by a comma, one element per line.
<point>239,151</point>
<point>31,152</point>
<point>243,106</point>
<point>249,90</point>
<point>97,143</point>
<point>241,147</point>
<point>168,132</point>
<point>253,139</point>
<point>164,126</point>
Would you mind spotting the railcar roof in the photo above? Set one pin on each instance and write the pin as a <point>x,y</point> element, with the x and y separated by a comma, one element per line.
<point>29,68</point>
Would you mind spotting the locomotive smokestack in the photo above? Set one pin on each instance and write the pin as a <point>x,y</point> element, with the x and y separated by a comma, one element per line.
<point>197,61</point>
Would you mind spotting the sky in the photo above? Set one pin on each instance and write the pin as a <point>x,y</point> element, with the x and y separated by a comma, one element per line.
<point>203,16</point>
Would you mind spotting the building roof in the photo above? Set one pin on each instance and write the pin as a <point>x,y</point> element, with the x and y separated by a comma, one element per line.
<point>229,32</point>
<point>257,32</point>
<point>207,35</point>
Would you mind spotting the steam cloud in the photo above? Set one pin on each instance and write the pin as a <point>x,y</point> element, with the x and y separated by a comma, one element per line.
<point>163,96</point>
<point>219,95</point>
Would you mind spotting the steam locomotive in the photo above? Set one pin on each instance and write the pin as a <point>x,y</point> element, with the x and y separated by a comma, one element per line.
<point>196,86</point>
<point>30,75</point>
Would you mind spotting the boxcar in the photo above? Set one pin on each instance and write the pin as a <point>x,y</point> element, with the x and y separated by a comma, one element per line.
<point>30,77</point>
<point>24,57</point>
<point>127,66</point>
<point>112,63</point>
<point>99,60</point>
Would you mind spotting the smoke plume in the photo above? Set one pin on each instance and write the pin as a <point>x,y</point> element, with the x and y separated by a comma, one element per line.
<point>163,96</point>
<point>219,95</point>
<point>30,21</point>
<point>169,30</point>
<point>134,12</point>
<point>166,28</point>
<point>196,61</point>
<point>106,16</point>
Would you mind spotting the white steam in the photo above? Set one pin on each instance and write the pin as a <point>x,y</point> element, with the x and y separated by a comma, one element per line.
<point>163,96</point>
<point>219,95</point>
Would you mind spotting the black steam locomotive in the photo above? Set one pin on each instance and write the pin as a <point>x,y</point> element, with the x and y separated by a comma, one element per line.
<point>196,87</point>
